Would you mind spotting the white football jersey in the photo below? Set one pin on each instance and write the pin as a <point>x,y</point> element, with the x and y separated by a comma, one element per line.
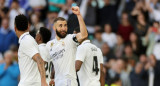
<point>91,56</point>
<point>48,65</point>
<point>29,73</point>
<point>63,52</point>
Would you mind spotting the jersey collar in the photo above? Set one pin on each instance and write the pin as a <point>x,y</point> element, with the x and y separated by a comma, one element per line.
<point>22,36</point>
<point>42,44</point>
<point>86,41</point>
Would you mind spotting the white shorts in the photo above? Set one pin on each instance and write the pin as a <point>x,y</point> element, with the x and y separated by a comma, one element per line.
<point>66,82</point>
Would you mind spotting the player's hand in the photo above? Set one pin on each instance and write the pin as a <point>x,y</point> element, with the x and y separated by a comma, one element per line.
<point>76,10</point>
<point>51,83</point>
<point>44,84</point>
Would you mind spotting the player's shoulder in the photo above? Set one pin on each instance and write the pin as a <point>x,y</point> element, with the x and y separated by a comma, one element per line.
<point>42,45</point>
<point>28,39</point>
<point>82,47</point>
<point>50,43</point>
<point>98,49</point>
<point>70,36</point>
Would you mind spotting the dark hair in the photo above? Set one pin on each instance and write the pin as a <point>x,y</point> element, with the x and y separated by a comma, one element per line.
<point>16,1</point>
<point>124,12</point>
<point>21,22</point>
<point>45,34</point>
<point>97,32</point>
<point>59,19</point>
<point>155,22</point>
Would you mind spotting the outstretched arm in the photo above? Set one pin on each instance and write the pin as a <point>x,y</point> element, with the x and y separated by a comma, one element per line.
<point>83,30</point>
<point>37,58</point>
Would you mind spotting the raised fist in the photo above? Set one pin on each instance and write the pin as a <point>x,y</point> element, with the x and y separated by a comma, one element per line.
<point>76,10</point>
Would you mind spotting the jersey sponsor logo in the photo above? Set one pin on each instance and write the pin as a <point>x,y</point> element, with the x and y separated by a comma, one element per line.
<point>58,54</point>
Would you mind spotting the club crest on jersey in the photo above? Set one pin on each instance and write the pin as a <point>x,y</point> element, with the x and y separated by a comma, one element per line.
<point>51,44</point>
<point>63,43</point>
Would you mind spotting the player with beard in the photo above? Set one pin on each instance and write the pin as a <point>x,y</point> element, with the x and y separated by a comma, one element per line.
<point>62,50</point>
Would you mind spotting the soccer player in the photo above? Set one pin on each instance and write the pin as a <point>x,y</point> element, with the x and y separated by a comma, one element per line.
<point>63,49</point>
<point>42,37</point>
<point>89,64</point>
<point>31,65</point>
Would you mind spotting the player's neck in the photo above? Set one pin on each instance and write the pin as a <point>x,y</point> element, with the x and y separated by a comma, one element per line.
<point>58,38</point>
<point>20,33</point>
<point>39,42</point>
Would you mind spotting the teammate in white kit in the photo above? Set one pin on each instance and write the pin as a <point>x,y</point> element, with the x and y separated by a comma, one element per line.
<point>28,56</point>
<point>42,37</point>
<point>89,64</point>
<point>63,49</point>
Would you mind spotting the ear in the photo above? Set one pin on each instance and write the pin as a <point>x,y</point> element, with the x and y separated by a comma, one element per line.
<point>15,29</point>
<point>54,27</point>
<point>28,26</point>
<point>38,37</point>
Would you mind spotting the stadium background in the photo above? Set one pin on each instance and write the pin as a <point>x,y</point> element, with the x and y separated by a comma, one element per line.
<point>127,31</point>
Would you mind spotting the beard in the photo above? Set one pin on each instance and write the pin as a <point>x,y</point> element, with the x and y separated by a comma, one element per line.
<point>60,34</point>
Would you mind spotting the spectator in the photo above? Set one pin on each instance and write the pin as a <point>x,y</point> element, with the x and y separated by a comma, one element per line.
<point>141,25</point>
<point>136,45</point>
<point>143,59</point>
<point>156,49</point>
<point>56,5</point>
<point>108,14</point>
<point>3,10</point>
<point>151,71</point>
<point>136,77</point>
<point>119,47</point>
<point>90,17</point>
<point>35,24</point>
<point>37,4</point>
<point>7,36</point>
<point>108,36</point>
<point>49,23</point>
<point>153,7</point>
<point>66,10</point>
<point>23,4</point>
<point>107,53</point>
<point>98,39</point>
<point>121,69</point>
<point>132,58</point>
<point>14,11</point>
<point>130,4</point>
<point>9,71</point>
<point>150,39</point>
<point>125,27</point>
<point>14,49</point>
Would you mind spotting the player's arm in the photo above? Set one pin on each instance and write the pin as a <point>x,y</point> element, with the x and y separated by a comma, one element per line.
<point>52,77</point>
<point>80,56</point>
<point>78,65</point>
<point>37,58</point>
<point>83,30</point>
<point>102,80</point>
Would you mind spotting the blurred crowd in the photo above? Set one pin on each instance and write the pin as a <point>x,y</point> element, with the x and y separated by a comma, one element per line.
<point>127,31</point>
